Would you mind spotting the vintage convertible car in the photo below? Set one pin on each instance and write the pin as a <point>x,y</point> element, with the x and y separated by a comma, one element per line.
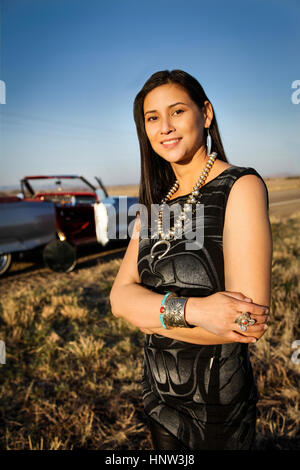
<point>59,213</point>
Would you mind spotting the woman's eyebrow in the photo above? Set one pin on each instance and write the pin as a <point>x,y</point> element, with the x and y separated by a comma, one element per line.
<point>170,106</point>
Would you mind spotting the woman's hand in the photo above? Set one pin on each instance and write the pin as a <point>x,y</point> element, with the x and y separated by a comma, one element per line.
<point>217,313</point>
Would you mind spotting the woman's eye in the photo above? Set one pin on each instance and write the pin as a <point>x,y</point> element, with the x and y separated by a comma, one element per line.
<point>178,111</point>
<point>151,117</point>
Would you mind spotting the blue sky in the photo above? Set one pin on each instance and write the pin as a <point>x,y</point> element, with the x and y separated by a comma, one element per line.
<point>72,69</point>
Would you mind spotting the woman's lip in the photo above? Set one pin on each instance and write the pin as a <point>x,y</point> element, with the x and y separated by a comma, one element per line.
<point>170,144</point>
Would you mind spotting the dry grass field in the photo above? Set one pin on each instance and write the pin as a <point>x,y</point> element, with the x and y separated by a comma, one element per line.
<point>72,373</point>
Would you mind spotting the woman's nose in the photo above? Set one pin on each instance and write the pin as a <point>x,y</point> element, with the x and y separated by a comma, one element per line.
<point>166,125</point>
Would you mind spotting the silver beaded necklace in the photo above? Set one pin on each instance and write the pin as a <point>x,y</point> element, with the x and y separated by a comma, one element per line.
<point>166,238</point>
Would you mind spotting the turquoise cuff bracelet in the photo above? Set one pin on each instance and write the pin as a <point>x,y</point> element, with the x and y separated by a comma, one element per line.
<point>166,297</point>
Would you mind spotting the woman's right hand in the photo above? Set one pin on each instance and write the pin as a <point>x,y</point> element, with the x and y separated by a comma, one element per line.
<point>217,313</point>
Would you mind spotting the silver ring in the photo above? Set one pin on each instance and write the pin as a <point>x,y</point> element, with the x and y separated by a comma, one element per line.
<point>244,320</point>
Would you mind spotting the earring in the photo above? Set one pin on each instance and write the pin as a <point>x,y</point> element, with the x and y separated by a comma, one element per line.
<point>208,142</point>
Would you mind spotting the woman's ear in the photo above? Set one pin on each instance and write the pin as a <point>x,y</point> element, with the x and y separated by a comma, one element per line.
<point>208,113</point>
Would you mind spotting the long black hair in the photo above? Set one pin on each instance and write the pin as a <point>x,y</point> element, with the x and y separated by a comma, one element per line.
<point>157,175</point>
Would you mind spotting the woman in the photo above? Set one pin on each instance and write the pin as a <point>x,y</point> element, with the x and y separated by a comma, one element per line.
<point>198,386</point>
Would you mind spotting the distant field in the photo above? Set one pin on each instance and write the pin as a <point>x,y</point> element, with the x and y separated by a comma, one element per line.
<point>126,190</point>
<point>278,184</point>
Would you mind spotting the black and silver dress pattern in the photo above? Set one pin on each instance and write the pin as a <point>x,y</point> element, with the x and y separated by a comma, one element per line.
<point>204,395</point>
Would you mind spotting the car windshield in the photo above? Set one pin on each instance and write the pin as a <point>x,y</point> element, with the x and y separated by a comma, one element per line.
<point>54,185</point>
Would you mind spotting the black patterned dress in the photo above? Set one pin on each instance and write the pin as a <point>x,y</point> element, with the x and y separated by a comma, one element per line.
<point>204,395</point>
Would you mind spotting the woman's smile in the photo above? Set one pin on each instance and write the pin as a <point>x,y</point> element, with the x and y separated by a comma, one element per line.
<point>171,143</point>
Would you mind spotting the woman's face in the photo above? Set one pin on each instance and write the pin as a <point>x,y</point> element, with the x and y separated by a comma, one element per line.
<point>173,123</point>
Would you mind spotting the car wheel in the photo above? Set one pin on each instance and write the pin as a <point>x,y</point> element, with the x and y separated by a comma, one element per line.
<point>5,262</point>
<point>60,256</point>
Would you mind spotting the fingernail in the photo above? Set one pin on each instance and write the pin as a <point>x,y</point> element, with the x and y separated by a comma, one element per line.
<point>266,327</point>
<point>253,341</point>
